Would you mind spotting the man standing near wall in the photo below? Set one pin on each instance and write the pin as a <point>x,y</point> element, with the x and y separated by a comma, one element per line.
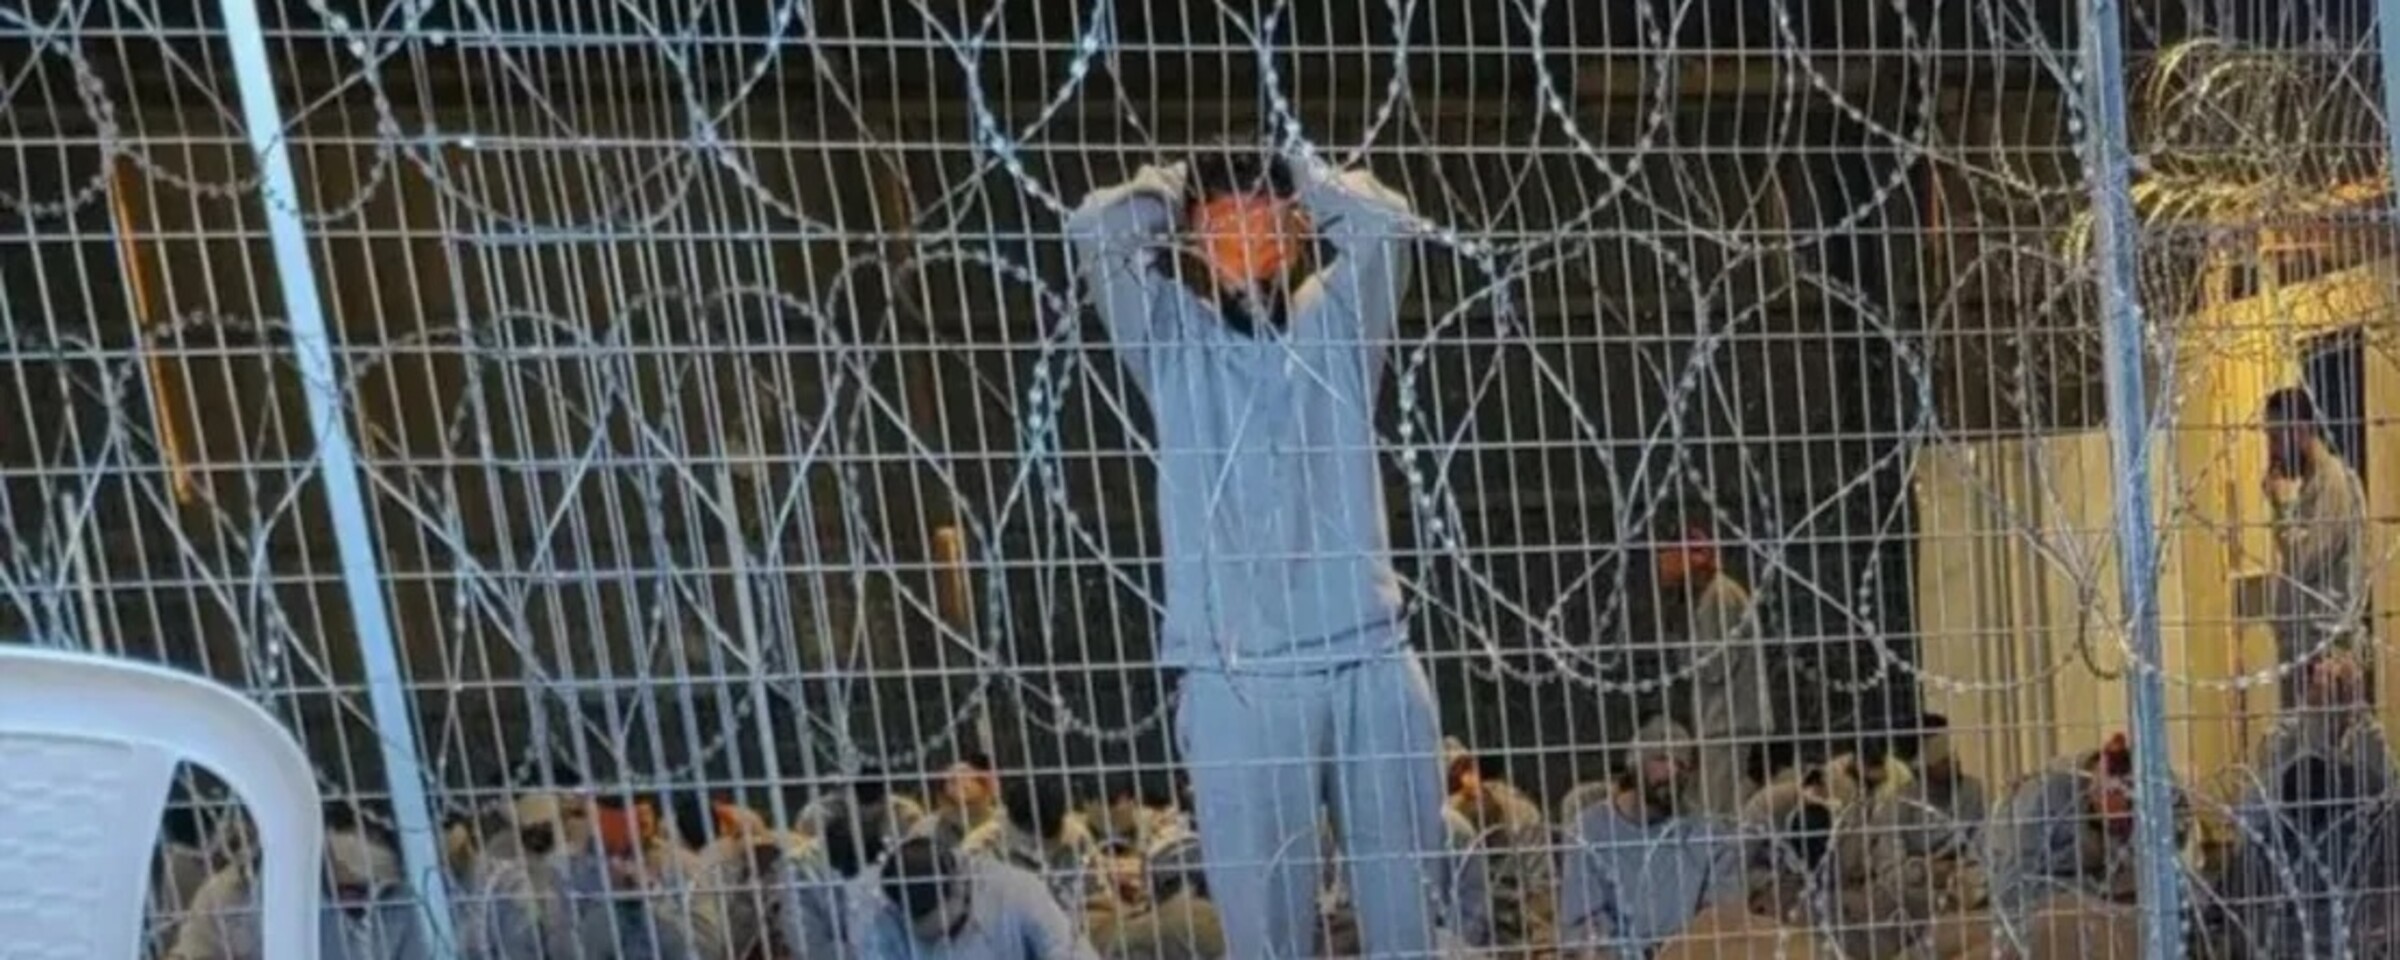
<point>1299,691</point>
<point>2318,593</point>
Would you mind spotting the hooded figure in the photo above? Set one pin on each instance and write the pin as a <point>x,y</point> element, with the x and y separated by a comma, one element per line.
<point>940,904</point>
<point>1642,865</point>
<point>2319,510</point>
<point>1299,692</point>
<point>1730,707</point>
<point>369,913</point>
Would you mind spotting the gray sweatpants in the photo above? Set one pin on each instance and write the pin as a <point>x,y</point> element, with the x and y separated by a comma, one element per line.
<point>1269,756</point>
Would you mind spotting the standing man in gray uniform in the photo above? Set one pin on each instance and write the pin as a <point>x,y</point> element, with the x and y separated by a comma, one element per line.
<point>1299,691</point>
<point>2320,516</point>
<point>1730,703</point>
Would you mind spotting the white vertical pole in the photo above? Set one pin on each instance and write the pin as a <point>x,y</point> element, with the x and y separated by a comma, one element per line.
<point>337,464</point>
<point>2108,168</point>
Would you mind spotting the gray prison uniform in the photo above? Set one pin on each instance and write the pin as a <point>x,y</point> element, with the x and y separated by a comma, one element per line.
<point>2319,537</point>
<point>1730,709</point>
<point>2034,845</point>
<point>1010,916</point>
<point>223,925</point>
<point>1281,604</point>
<point>1627,887</point>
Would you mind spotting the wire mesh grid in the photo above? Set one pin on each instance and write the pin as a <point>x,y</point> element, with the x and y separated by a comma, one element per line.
<point>745,468</point>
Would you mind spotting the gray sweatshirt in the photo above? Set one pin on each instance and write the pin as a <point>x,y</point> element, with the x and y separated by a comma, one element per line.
<point>1010,916</point>
<point>1627,886</point>
<point>2320,541</point>
<point>1270,496</point>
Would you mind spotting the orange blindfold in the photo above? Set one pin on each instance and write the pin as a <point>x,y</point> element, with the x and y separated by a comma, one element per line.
<point>1248,239</point>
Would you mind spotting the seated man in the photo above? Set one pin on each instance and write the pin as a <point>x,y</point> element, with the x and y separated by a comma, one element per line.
<point>1484,798</point>
<point>970,795</point>
<point>629,891</point>
<point>1941,807</point>
<point>1908,854</point>
<point>939,903</point>
<point>822,893</point>
<point>369,913</point>
<point>1135,816</point>
<point>1175,921</point>
<point>1504,882</point>
<point>1784,861</point>
<point>1038,831</point>
<point>2066,831</point>
<point>1639,867</point>
<point>514,887</point>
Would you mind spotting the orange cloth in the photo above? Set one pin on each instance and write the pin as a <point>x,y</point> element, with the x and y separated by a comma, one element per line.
<point>1248,238</point>
<point>623,831</point>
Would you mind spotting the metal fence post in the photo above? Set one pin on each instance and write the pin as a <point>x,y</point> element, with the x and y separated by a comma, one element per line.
<point>362,580</point>
<point>2108,165</point>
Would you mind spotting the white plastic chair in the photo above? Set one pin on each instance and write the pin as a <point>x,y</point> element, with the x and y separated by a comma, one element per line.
<point>88,748</point>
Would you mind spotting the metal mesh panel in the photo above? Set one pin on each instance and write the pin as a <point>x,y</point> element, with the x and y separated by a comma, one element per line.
<point>732,419</point>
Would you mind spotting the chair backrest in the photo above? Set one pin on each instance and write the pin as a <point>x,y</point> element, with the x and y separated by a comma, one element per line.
<point>89,747</point>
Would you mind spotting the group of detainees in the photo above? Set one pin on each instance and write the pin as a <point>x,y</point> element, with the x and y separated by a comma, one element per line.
<point>1886,849</point>
<point>1251,295</point>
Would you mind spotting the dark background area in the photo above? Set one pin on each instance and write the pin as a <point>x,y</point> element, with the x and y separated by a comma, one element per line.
<point>660,435</point>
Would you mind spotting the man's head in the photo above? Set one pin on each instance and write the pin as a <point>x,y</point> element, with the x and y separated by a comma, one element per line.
<point>1655,765</point>
<point>972,782</point>
<point>1687,556</point>
<point>924,882</point>
<point>360,863</point>
<point>1243,220</point>
<point>2110,791</point>
<point>1461,770</point>
<point>2293,425</point>
<point>548,821</point>
<point>1934,755</point>
<point>2335,681</point>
